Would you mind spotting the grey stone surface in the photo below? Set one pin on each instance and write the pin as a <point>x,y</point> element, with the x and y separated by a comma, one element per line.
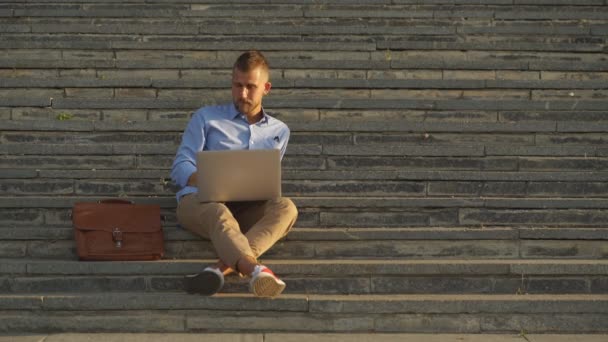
<point>36,233</point>
<point>51,249</point>
<point>149,337</point>
<point>431,249</point>
<point>13,267</point>
<point>44,270</point>
<point>20,187</point>
<point>564,233</point>
<point>455,304</point>
<point>550,203</point>
<point>77,284</point>
<point>448,163</point>
<point>412,284</point>
<point>564,249</point>
<point>54,162</point>
<point>143,103</point>
<point>165,322</point>
<point>561,189</point>
<point>113,26</point>
<point>352,188</point>
<point>289,322</point>
<point>491,43</point>
<point>552,116</point>
<point>539,217</point>
<point>477,188</point>
<point>46,125</point>
<point>16,217</point>
<point>443,175</point>
<point>421,233</point>
<point>421,130</point>
<point>87,149</point>
<point>394,337</point>
<point>421,323</point>
<point>547,151</point>
<point>553,13</point>
<point>566,337</point>
<point>536,285</point>
<point>582,127</point>
<point>293,337</point>
<point>20,302</point>
<point>425,127</point>
<point>179,301</point>
<point>403,150</point>
<point>556,267</point>
<point>569,323</point>
<point>17,173</point>
<point>70,82</point>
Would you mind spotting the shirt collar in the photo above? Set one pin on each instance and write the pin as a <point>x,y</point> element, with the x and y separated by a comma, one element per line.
<point>235,114</point>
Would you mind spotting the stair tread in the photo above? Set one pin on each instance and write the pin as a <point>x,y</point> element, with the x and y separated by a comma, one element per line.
<point>331,267</point>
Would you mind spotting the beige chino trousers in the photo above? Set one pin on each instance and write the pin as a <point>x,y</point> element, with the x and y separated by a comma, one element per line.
<point>238,229</point>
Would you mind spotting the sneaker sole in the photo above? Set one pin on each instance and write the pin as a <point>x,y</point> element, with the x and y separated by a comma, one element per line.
<point>267,287</point>
<point>204,283</point>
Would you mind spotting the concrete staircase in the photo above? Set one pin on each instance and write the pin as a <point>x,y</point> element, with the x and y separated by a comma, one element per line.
<point>449,159</point>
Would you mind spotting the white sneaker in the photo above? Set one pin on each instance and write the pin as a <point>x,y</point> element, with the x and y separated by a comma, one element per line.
<point>264,283</point>
<point>206,283</point>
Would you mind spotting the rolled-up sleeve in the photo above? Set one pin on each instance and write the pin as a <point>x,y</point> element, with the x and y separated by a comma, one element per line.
<point>193,141</point>
<point>285,139</point>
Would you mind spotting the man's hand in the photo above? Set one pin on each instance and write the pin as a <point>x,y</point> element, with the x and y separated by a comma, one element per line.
<point>192,179</point>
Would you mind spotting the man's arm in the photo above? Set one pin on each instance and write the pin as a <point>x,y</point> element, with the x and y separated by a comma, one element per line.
<point>183,171</point>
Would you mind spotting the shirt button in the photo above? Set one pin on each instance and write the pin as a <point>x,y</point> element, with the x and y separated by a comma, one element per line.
<point>251,141</point>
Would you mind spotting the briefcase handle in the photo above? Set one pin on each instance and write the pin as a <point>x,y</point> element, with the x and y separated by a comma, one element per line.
<point>115,201</point>
<point>121,201</point>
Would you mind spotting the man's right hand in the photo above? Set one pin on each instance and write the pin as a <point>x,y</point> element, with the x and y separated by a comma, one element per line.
<point>192,179</point>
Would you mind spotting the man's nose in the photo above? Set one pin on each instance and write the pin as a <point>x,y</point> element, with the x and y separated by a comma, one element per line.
<point>243,93</point>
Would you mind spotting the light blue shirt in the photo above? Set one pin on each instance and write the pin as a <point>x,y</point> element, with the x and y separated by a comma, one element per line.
<point>223,128</point>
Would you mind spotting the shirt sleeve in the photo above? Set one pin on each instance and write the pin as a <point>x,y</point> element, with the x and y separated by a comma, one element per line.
<point>193,141</point>
<point>285,140</point>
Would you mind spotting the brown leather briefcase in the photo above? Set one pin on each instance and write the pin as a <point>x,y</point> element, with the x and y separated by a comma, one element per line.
<point>118,230</point>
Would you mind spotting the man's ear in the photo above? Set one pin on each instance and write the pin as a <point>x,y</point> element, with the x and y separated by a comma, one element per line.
<point>267,87</point>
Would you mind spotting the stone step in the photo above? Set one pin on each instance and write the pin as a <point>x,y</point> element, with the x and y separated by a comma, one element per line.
<point>354,212</point>
<point>443,204</point>
<point>588,160</point>
<point>338,2</point>
<point>299,233</point>
<point>319,126</point>
<point>506,64</point>
<point>539,247</point>
<point>297,337</point>
<point>408,11</point>
<point>417,97</point>
<point>557,160</point>
<point>326,175</point>
<point>310,313</point>
<point>351,42</point>
<point>386,188</point>
<point>159,87</point>
<point>318,276</point>
<point>442,24</point>
<point>190,99</point>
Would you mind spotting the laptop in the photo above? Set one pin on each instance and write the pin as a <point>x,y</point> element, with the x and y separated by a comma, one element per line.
<point>238,175</point>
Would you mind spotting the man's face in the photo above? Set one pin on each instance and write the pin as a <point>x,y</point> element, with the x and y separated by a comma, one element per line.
<point>248,89</point>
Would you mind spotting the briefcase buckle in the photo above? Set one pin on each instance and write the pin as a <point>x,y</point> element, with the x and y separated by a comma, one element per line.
<point>117,237</point>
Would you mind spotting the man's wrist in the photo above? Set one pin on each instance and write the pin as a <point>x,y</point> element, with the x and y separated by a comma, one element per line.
<point>192,180</point>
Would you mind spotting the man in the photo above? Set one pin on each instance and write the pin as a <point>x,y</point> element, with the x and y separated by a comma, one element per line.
<point>239,231</point>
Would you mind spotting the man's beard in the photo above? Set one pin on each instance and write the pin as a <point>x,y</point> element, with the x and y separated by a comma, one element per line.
<point>244,106</point>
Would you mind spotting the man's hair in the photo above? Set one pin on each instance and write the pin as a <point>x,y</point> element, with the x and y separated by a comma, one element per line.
<point>251,60</point>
